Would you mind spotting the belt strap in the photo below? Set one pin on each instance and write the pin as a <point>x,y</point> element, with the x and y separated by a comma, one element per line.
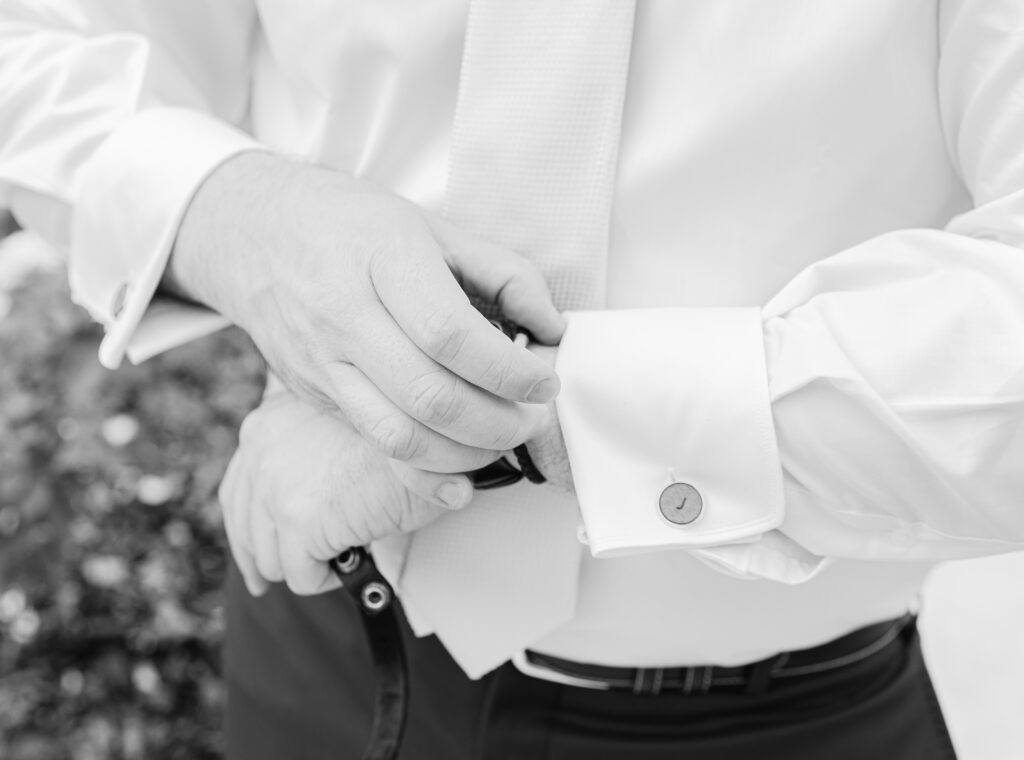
<point>375,598</point>
<point>752,678</point>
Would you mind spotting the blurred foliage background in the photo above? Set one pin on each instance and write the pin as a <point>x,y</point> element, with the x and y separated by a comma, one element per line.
<point>111,545</point>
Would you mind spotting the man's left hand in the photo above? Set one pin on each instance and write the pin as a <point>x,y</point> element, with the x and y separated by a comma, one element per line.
<point>304,486</point>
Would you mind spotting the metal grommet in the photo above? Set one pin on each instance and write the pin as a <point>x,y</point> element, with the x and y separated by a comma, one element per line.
<point>348,561</point>
<point>375,596</point>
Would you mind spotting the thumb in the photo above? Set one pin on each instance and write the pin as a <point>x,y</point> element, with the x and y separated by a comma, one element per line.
<point>499,275</point>
<point>445,490</point>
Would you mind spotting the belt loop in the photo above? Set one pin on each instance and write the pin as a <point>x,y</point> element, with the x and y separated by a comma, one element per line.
<point>689,679</point>
<point>761,675</point>
<point>649,687</point>
<point>638,681</point>
<point>705,679</point>
<point>659,677</point>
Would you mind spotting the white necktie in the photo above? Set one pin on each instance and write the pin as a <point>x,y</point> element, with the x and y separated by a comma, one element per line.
<point>532,166</point>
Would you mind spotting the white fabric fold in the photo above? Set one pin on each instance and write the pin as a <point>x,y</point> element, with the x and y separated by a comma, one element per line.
<point>483,610</point>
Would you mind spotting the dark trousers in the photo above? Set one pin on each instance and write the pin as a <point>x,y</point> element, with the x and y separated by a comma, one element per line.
<point>300,687</point>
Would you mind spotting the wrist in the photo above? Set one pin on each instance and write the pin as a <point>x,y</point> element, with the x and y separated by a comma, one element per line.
<point>225,221</point>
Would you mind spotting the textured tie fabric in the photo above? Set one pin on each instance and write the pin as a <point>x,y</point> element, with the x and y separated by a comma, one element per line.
<point>536,134</point>
<point>532,167</point>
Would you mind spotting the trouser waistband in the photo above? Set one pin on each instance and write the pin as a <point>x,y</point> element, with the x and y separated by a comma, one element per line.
<point>701,679</point>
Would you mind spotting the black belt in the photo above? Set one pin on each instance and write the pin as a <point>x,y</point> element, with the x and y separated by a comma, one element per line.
<point>752,678</point>
<point>375,598</point>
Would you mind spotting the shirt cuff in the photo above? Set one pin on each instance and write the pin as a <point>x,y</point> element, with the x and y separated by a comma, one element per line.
<point>656,397</point>
<point>134,192</point>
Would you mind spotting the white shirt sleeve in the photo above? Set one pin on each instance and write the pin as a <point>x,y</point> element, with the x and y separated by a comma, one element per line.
<point>112,115</point>
<point>893,374</point>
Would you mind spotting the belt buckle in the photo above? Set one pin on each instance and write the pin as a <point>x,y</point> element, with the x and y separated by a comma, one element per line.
<point>534,670</point>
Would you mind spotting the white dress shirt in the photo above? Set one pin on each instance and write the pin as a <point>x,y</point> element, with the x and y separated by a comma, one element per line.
<point>815,279</point>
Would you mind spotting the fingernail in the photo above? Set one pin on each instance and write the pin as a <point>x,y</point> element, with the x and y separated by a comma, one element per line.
<point>451,495</point>
<point>255,589</point>
<point>543,391</point>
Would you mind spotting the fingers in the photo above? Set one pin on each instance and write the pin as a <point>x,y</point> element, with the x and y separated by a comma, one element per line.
<point>264,542</point>
<point>427,401</point>
<point>264,556</point>
<point>447,491</point>
<point>233,492</point>
<point>304,485</point>
<point>501,276</point>
<point>427,304</point>
<point>303,573</point>
<point>393,432</point>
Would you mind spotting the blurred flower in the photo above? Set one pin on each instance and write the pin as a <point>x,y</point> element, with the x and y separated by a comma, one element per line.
<point>156,573</point>
<point>146,678</point>
<point>172,621</point>
<point>72,682</point>
<point>154,490</point>
<point>68,429</point>
<point>178,534</point>
<point>12,603</point>
<point>84,531</point>
<point>25,626</point>
<point>105,571</point>
<point>10,520</point>
<point>120,430</point>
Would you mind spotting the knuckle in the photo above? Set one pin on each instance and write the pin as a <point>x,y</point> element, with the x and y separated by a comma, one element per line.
<point>514,290</point>
<point>443,335</point>
<point>435,399</point>
<point>499,375</point>
<point>287,515</point>
<point>268,569</point>
<point>414,514</point>
<point>227,486</point>
<point>249,427</point>
<point>223,493</point>
<point>308,582</point>
<point>395,437</point>
<point>508,436</point>
<point>299,585</point>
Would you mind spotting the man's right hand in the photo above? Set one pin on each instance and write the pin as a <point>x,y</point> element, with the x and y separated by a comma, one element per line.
<point>358,299</point>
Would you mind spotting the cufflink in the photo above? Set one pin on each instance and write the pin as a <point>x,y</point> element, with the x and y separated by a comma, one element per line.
<point>681,504</point>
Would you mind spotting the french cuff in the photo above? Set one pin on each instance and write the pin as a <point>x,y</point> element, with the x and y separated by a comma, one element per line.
<point>133,194</point>
<point>667,424</point>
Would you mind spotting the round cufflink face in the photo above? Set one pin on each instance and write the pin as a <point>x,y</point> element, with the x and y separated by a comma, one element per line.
<point>681,503</point>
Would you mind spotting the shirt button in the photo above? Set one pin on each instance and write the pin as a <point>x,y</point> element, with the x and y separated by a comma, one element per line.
<point>681,503</point>
<point>117,303</point>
